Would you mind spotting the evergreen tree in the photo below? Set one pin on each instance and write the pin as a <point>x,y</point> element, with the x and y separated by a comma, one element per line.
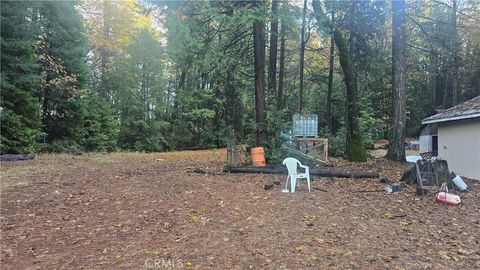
<point>62,50</point>
<point>139,83</point>
<point>100,126</point>
<point>20,79</point>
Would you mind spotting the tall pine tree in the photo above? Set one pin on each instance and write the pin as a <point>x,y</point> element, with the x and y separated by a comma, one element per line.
<point>20,79</point>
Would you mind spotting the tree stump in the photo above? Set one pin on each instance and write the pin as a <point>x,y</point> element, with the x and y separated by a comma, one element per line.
<point>232,154</point>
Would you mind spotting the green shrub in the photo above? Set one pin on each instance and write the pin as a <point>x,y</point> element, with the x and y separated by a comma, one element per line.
<point>336,144</point>
<point>60,146</point>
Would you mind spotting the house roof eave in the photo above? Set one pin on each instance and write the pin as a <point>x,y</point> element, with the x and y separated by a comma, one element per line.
<point>454,118</point>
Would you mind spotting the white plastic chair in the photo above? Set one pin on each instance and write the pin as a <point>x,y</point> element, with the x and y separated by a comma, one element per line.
<point>292,165</point>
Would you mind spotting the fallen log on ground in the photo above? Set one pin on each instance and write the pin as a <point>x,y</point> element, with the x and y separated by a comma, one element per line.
<point>313,171</point>
<point>15,157</point>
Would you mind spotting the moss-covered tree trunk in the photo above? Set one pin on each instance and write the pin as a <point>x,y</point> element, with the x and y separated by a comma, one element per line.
<point>356,150</point>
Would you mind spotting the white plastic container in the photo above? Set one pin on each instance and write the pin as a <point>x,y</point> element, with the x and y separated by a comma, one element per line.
<point>459,183</point>
<point>305,125</point>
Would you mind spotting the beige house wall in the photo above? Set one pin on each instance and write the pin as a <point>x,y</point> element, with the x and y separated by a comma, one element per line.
<point>459,144</point>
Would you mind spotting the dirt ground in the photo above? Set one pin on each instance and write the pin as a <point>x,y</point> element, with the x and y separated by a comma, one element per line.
<point>179,210</point>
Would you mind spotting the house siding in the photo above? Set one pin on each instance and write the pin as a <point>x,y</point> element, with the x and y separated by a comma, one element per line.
<point>459,145</point>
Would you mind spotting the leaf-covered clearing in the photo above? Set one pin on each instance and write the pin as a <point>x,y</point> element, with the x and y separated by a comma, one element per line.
<point>127,210</point>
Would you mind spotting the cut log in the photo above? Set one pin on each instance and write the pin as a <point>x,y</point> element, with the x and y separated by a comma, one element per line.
<point>14,157</point>
<point>316,172</point>
<point>345,174</point>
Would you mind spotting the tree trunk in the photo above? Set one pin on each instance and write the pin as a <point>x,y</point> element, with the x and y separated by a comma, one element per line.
<point>181,86</point>
<point>104,57</point>
<point>454,60</point>
<point>446,74</point>
<point>46,112</point>
<point>103,77</point>
<point>167,97</point>
<point>396,148</point>
<point>233,117</point>
<point>356,149</point>
<point>329,116</point>
<point>259,59</point>
<point>302,56</point>
<point>272,61</point>
<point>281,72</point>
<point>433,79</point>
<point>143,85</point>
<point>232,155</point>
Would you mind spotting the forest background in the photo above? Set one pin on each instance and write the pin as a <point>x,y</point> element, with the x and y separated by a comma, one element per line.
<point>168,75</point>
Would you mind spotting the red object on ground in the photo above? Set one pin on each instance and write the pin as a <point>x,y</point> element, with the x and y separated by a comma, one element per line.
<point>447,198</point>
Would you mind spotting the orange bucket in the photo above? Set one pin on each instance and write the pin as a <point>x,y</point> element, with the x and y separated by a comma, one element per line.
<point>258,156</point>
